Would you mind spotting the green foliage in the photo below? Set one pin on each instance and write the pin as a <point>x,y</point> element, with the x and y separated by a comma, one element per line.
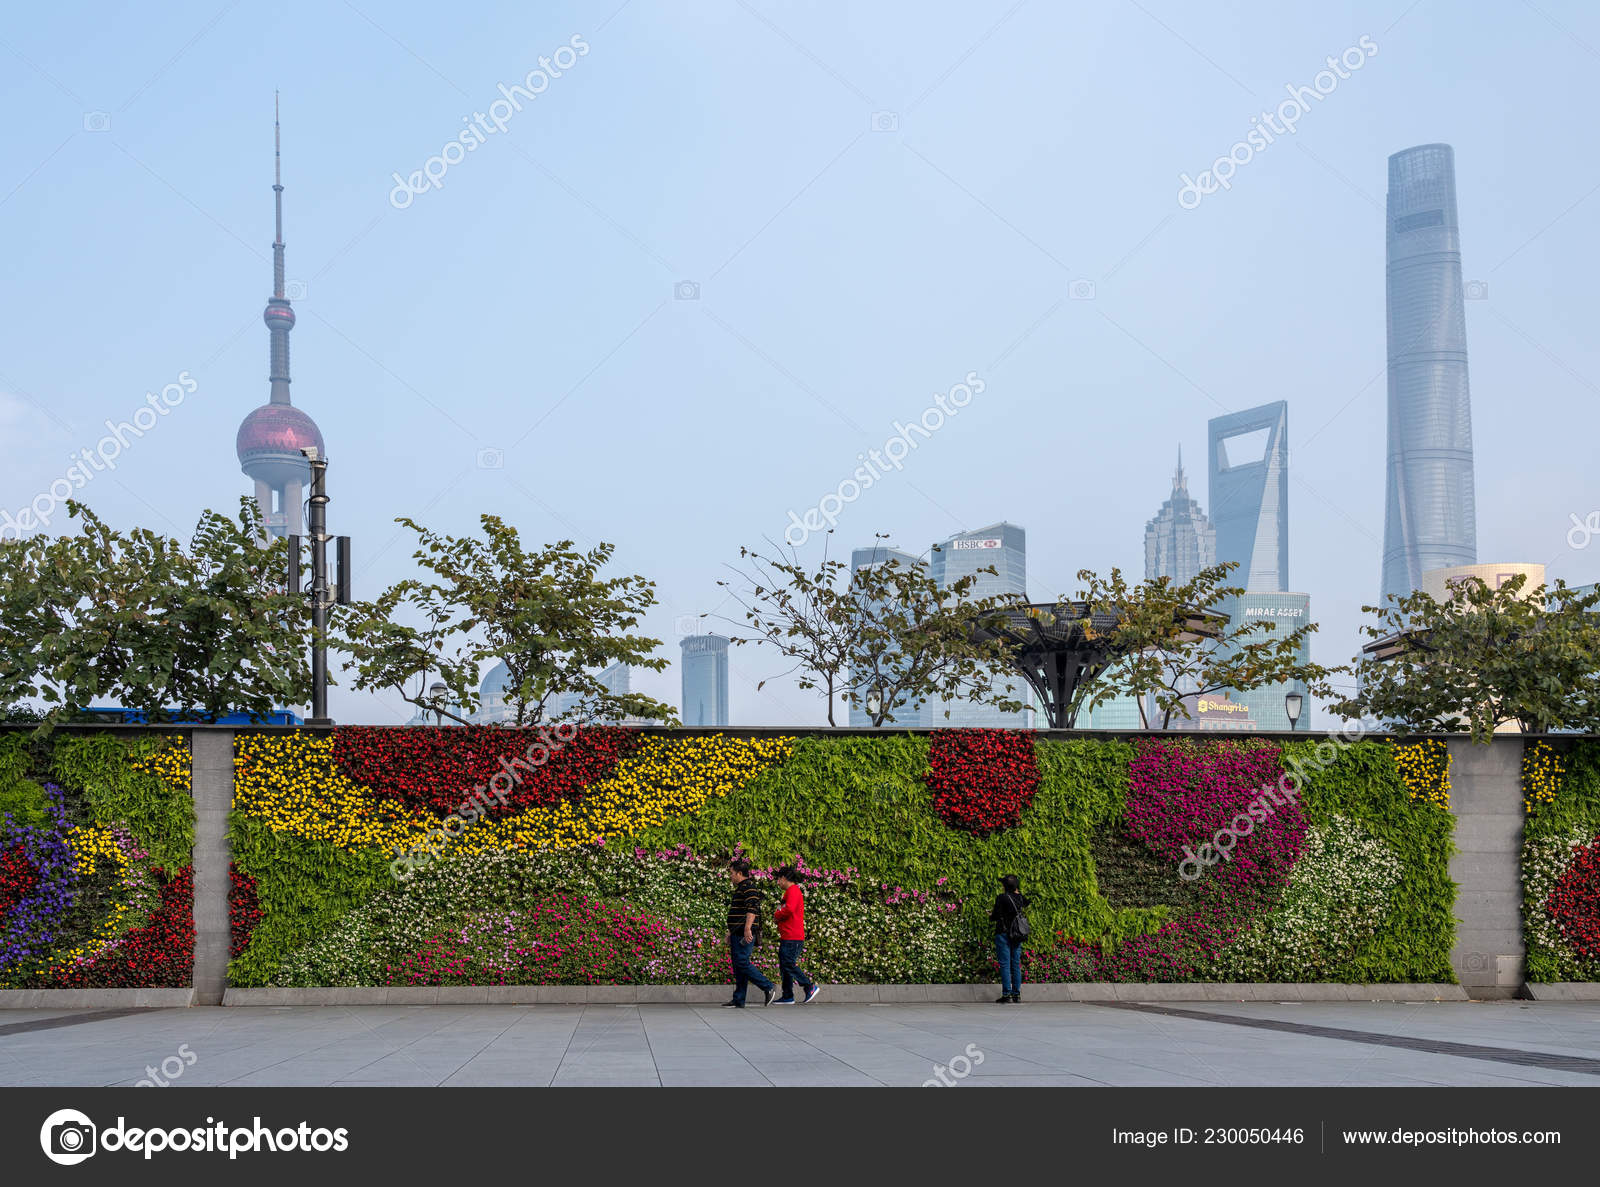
<point>1176,641</point>
<point>546,614</point>
<point>20,796</point>
<point>304,887</point>
<point>861,802</point>
<point>143,621</point>
<point>1363,785</point>
<point>1482,657</point>
<point>159,815</point>
<point>886,637</point>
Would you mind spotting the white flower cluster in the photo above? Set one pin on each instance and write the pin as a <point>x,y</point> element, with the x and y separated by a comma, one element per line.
<point>1544,861</point>
<point>1337,896</point>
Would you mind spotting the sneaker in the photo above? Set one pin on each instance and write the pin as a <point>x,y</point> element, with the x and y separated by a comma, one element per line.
<point>785,1001</point>
<point>813,991</point>
<point>768,992</point>
<point>733,1005</point>
<point>1003,1000</point>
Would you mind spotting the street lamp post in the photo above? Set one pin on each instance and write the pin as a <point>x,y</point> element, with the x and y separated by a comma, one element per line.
<point>436,694</point>
<point>322,594</point>
<point>1292,703</point>
<point>875,703</point>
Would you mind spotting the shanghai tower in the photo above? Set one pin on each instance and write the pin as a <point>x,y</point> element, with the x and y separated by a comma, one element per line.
<point>1430,520</point>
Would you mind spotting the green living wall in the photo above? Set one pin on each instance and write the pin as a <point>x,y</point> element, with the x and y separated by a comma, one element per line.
<point>367,857</point>
<point>96,886</point>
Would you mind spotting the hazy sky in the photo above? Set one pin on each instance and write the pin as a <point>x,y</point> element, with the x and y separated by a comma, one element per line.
<point>873,199</point>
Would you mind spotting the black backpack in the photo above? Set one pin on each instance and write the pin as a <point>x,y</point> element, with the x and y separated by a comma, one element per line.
<point>1017,926</point>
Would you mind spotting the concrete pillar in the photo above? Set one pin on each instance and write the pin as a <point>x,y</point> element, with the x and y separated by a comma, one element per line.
<point>1486,797</point>
<point>212,779</point>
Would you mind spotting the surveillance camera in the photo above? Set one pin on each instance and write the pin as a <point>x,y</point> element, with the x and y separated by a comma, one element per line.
<point>310,452</point>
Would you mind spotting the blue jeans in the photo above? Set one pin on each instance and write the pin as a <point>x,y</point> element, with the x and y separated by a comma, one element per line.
<point>789,966</point>
<point>743,971</point>
<point>1009,953</point>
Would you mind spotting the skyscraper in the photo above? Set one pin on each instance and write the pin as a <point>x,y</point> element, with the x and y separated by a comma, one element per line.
<point>1430,517</point>
<point>705,680</point>
<point>862,558</point>
<point>1180,540</point>
<point>1004,546</point>
<point>1249,492</point>
<point>272,436</point>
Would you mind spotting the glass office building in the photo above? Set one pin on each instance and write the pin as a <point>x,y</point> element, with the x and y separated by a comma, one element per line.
<point>870,557</point>
<point>705,680</point>
<point>1180,540</point>
<point>1288,612</point>
<point>1004,547</point>
<point>1249,494</point>
<point>1430,516</point>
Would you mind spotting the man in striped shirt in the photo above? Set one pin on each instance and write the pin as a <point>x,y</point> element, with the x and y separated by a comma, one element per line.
<point>744,933</point>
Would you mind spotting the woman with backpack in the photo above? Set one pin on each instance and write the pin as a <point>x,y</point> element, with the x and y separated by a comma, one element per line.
<point>1010,929</point>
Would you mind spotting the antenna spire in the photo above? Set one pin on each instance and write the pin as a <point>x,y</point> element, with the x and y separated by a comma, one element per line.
<point>277,198</point>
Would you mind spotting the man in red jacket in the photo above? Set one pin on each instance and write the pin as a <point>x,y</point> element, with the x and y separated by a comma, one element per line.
<point>791,920</point>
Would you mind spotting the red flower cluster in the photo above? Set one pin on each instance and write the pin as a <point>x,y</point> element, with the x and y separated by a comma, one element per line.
<point>439,768</point>
<point>159,955</point>
<point>1574,902</point>
<point>17,878</point>
<point>244,910</point>
<point>981,780</point>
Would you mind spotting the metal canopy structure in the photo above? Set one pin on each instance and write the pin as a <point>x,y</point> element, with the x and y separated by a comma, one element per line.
<point>1059,647</point>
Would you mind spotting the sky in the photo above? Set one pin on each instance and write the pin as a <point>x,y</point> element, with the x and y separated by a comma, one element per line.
<point>736,242</point>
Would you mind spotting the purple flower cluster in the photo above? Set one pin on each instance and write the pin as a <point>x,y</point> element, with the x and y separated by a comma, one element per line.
<point>31,926</point>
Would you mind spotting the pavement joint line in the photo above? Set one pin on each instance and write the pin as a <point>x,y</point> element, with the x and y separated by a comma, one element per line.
<point>1540,1059</point>
<point>77,1019</point>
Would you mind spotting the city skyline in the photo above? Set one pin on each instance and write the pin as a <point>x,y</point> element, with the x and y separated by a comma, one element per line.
<point>1248,489</point>
<point>757,269</point>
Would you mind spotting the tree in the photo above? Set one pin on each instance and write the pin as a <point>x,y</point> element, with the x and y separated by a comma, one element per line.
<point>141,620</point>
<point>546,614</point>
<point>1482,657</point>
<point>1176,642</point>
<point>886,637</point>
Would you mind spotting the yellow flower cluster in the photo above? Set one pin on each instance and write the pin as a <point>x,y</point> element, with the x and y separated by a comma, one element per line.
<point>171,762</point>
<point>1425,767</point>
<point>91,844</point>
<point>291,782</point>
<point>1541,776</point>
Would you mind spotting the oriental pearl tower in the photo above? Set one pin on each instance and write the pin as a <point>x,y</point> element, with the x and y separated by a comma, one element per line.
<point>271,437</point>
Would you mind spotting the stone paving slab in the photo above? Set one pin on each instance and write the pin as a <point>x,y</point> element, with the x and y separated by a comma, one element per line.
<point>841,994</point>
<point>555,1043</point>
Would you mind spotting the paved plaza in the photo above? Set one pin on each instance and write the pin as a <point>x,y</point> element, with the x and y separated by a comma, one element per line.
<point>1201,1043</point>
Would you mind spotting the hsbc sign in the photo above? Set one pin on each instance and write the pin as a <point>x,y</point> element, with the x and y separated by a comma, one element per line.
<point>993,542</point>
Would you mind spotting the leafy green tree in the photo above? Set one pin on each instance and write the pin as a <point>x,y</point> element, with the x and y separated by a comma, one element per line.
<point>547,614</point>
<point>1482,657</point>
<point>141,620</point>
<point>886,637</point>
<point>1176,641</point>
